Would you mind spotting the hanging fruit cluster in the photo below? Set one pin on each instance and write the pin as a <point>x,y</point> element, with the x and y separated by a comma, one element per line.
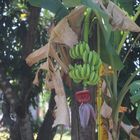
<point>88,71</point>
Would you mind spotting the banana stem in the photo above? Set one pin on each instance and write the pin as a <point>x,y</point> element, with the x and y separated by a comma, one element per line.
<point>86,25</point>
<point>115,79</point>
<point>98,37</point>
<point>122,94</point>
<point>99,103</point>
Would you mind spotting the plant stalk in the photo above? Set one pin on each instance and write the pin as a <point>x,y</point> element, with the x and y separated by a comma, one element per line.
<point>86,24</point>
<point>123,92</point>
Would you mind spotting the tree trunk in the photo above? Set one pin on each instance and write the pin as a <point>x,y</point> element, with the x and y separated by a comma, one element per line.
<point>21,106</point>
<point>25,128</point>
<point>7,121</point>
<point>26,78</point>
<point>46,132</point>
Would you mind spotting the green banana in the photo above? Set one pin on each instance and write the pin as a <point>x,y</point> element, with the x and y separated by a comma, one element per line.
<point>90,57</point>
<point>82,72</point>
<point>77,51</point>
<point>98,62</point>
<point>70,74</point>
<point>73,53</point>
<point>73,74</point>
<point>79,70</point>
<point>85,56</point>
<point>87,71</point>
<point>71,67</point>
<point>95,79</point>
<point>92,68</point>
<point>92,76</point>
<point>81,48</point>
<point>94,57</point>
<point>77,74</point>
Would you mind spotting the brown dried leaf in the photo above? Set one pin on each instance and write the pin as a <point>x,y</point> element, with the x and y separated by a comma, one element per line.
<point>63,34</point>
<point>62,112</point>
<point>106,110</point>
<point>75,19</point>
<point>54,55</point>
<point>119,20</point>
<point>38,55</point>
<point>58,84</point>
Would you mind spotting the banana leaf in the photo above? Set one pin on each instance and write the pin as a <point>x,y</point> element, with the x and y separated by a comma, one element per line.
<point>108,55</point>
<point>54,6</point>
<point>135,87</point>
<point>135,98</point>
<point>107,50</point>
<point>71,3</point>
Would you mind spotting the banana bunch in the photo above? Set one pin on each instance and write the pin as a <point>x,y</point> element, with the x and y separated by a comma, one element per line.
<point>77,51</point>
<point>84,73</point>
<point>88,73</point>
<point>92,58</point>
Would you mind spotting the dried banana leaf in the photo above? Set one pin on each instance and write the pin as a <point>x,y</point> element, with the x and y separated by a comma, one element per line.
<point>106,110</point>
<point>119,20</point>
<point>63,34</point>
<point>54,55</point>
<point>58,84</point>
<point>62,112</point>
<point>75,19</point>
<point>127,128</point>
<point>44,66</point>
<point>38,55</point>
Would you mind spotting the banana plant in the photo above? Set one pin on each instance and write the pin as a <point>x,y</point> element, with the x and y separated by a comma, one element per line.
<point>108,47</point>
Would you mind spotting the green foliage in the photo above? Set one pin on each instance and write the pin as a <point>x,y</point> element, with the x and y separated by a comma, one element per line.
<point>127,5</point>
<point>135,87</point>
<point>109,55</point>
<point>54,6</point>
<point>135,98</point>
<point>71,3</point>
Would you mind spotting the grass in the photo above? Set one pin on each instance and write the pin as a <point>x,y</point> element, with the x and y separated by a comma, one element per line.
<point>66,136</point>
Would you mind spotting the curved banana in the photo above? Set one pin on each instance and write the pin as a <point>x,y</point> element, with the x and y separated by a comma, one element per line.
<point>77,51</point>
<point>94,57</point>
<point>73,53</point>
<point>90,57</point>
<point>85,56</point>
<point>87,71</point>
<point>92,75</point>
<point>71,67</point>
<point>82,72</point>
<point>95,79</point>
<point>77,74</point>
<point>98,63</point>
